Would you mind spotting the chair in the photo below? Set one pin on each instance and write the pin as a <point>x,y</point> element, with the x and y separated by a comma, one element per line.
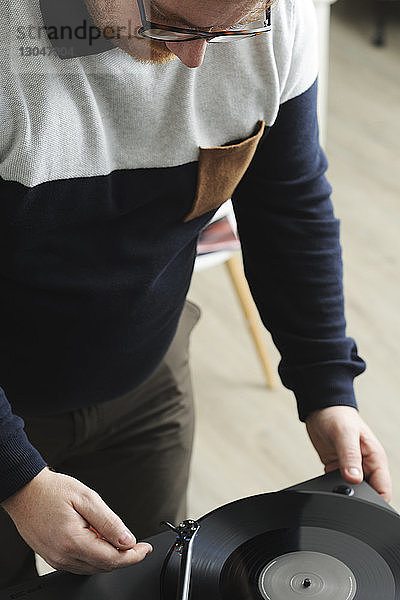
<point>219,244</point>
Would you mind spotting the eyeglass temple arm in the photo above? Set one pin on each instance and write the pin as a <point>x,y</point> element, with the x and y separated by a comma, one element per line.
<point>267,22</point>
<point>142,13</point>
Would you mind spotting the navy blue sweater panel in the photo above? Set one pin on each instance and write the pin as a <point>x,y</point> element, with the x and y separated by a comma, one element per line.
<point>94,273</point>
<point>292,255</point>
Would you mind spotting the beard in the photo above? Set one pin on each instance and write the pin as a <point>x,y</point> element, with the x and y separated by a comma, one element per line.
<point>151,51</point>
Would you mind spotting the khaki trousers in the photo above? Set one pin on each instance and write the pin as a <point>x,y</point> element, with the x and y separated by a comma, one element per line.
<point>134,451</point>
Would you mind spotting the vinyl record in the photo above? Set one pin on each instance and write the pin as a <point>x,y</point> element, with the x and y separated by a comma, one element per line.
<point>293,545</point>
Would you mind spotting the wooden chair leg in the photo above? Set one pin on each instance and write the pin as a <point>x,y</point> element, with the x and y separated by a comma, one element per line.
<point>236,273</point>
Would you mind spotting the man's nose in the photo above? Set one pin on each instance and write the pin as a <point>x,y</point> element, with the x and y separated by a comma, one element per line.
<point>190,53</point>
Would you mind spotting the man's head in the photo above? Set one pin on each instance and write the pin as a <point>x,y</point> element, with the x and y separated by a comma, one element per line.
<point>122,19</point>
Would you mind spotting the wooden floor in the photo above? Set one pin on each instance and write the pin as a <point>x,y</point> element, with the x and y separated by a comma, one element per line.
<point>248,438</point>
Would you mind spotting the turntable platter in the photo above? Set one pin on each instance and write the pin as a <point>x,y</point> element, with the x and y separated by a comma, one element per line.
<point>294,545</point>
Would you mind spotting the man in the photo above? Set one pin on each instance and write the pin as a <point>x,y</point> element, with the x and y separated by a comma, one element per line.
<point>116,149</point>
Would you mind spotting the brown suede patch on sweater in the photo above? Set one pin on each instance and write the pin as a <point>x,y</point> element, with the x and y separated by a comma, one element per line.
<point>220,171</point>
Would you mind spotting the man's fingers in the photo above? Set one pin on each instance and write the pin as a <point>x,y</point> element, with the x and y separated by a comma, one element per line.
<point>381,482</point>
<point>107,543</point>
<point>134,555</point>
<point>375,464</point>
<point>86,553</point>
<point>343,440</point>
<point>360,451</point>
<point>104,558</point>
<point>96,554</point>
<point>104,521</point>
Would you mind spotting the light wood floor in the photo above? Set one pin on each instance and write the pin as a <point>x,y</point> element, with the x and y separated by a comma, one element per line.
<point>248,438</point>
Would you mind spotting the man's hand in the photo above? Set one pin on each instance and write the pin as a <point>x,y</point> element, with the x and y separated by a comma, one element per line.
<point>343,441</point>
<point>70,526</point>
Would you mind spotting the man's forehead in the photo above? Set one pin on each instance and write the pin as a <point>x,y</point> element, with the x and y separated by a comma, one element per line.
<point>165,10</point>
<point>214,11</point>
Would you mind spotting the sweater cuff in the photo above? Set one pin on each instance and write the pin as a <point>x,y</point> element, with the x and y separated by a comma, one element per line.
<point>20,462</point>
<point>323,385</point>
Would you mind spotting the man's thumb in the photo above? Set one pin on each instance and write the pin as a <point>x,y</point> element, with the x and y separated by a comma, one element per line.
<point>349,455</point>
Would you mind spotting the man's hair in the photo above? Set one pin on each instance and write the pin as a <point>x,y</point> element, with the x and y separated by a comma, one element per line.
<point>261,4</point>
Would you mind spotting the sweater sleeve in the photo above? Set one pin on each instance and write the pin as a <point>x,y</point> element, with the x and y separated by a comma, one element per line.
<point>292,257</point>
<point>19,460</point>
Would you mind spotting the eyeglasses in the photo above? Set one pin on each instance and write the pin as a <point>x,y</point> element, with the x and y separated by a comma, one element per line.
<point>166,33</point>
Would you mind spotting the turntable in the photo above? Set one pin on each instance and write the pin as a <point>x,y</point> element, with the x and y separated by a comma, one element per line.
<point>321,540</point>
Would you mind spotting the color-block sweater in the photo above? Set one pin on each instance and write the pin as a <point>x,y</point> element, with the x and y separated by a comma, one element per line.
<point>110,168</point>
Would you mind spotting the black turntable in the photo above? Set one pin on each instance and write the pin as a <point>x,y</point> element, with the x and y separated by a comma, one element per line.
<point>323,539</point>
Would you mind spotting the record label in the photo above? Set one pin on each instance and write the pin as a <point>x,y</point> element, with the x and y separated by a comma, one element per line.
<point>303,574</point>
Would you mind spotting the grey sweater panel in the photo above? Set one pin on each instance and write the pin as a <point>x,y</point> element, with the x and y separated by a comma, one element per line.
<point>88,116</point>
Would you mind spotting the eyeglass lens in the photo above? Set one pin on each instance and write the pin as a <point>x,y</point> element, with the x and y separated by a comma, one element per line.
<point>175,36</point>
